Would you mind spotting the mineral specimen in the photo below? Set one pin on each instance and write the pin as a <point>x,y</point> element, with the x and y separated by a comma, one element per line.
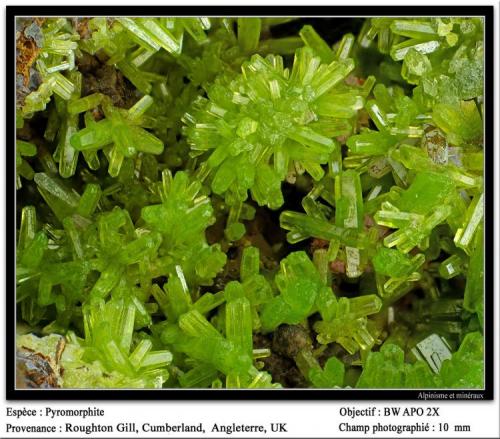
<point>250,203</point>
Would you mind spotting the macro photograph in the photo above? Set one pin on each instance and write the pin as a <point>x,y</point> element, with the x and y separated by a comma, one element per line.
<point>249,202</point>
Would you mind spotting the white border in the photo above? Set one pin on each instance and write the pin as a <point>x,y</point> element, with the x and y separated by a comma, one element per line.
<point>305,419</point>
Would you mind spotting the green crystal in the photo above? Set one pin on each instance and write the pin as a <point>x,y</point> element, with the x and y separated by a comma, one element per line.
<point>23,168</point>
<point>62,200</point>
<point>250,263</point>
<point>344,320</point>
<point>460,124</point>
<point>370,143</point>
<point>298,282</point>
<point>331,376</point>
<point>473,219</point>
<point>451,267</point>
<point>387,369</point>
<point>119,131</point>
<point>27,229</point>
<point>108,338</point>
<point>413,28</point>
<point>415,65</point>
<point>391,262</point>
<point>348,200</point>
<point>315,42</point>
<point>182,218</point>
<point>465,369</point>
<point>474,289</point>
<point>416,199</point>
<point>239,323</point>
<point>249,33</point>
<point>259,113</point>
<point>207,344</point>
<point>384,368</point>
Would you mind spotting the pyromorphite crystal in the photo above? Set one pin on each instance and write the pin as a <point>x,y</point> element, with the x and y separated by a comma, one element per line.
<point>370,143</point>
<point>264,121</point>
<point>298,283</point>
<point>391,262</point>
<point>427,192</point>
<point>465,369</point>
<point>474,289</point>
<point>118,131</point>
<point>344,320</point>
<point>182,219</point>
<point>331,376</point>
<point>399,268</point>
<point>203,204</point>
<point>387,369</point>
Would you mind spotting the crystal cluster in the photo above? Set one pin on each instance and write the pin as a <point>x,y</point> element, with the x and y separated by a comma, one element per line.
<point>57,43</point>
<point>303,292</point>
<point>181,220</point>
<point>463,369</point>
<point>248,203</point>
<point>120,133</point>
<point>270,122</point>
